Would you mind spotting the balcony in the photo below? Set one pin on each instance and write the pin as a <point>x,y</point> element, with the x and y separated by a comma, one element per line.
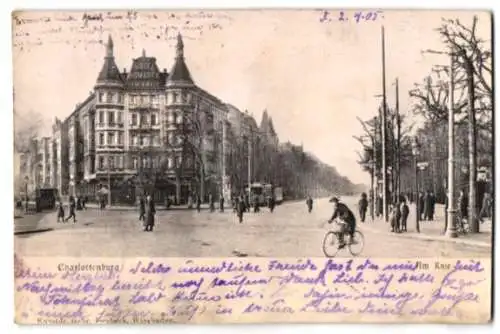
<point>110,147</point>
<point>144,126</point>
<point>143,105</point>
<point>115,125</point>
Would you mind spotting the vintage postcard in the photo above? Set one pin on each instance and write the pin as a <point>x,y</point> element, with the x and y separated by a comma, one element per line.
<point>253,166</point>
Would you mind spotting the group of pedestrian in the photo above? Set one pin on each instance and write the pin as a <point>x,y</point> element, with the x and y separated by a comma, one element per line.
<point>241,204</point>
<point>398,217</point>
<point>426,206</point>
<point>72,204</point>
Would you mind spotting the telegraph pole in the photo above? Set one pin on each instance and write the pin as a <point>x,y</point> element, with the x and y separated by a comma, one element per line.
<point>383,124</point>
<point>250,160</point>
<point>398,144</point>
<point>452,228</point>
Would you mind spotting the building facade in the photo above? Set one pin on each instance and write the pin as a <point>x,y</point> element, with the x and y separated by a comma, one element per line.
<point>143,131</point>
<point>149,131</point>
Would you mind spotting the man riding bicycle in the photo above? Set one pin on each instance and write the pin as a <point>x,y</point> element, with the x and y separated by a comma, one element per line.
<point>342,212</point>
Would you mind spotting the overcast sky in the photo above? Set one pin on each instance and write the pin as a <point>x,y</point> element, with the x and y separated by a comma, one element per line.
<point>313,77</point>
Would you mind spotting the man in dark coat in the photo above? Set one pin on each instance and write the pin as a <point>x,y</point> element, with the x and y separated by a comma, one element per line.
<point>60,212</point>
<point>240,208</point>
<point>405,212</point>
<point>271,203</point>
<point>363,206</point>
<point>421,202</point>
<point>72,207</point>
<point>221,203</point>
<point>341,211</point>
<point>432,205</point>
<point>198,203</point>
<point>463,207</point>
<point>142,208</point>
<point>309,203</point>
<point>150,214</point>
<point>247,202</point>
<point>427,205</point>
<point>380,206</point>
<point>211,202</point>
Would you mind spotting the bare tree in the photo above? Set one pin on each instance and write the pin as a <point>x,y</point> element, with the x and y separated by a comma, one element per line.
<point>473,82</point>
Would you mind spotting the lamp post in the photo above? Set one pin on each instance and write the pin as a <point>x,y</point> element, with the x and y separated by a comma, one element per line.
<point>451,228</point>
<point>416,150</point>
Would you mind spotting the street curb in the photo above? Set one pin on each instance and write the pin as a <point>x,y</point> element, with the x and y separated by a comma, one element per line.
<point>432,238</point>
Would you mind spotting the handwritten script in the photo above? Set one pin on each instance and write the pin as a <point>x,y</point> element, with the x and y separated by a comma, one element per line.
<point>251,290</point>
<point>35,29</point>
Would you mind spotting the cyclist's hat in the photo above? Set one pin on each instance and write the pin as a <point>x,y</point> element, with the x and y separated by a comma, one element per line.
<point>334,199</point>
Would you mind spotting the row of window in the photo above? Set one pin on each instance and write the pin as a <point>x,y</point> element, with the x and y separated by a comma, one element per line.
<point>119,98</point>
<point>111,97</point>
<point>112,138</point>
<point>110,119</point>
<point>116,138</point>
<point>114,162</point>
<point>144,99</point>
<point>144,140</point>
<point>143,119</point>
<point>116,117</point>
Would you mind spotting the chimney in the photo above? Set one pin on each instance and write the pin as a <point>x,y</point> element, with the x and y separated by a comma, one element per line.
<point>124,70</point>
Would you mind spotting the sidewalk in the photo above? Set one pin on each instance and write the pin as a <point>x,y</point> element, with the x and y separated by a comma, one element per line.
<point>433,230</point>
<point>96,206</point>
<point>37,222</point>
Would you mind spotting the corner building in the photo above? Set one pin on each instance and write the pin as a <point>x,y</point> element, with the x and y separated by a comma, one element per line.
<point>145,130</point>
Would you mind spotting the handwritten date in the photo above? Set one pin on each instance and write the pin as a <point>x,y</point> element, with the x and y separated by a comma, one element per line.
<point>356,16</point>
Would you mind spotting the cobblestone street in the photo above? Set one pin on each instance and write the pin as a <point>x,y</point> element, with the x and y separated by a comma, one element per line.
<point>289,231</point>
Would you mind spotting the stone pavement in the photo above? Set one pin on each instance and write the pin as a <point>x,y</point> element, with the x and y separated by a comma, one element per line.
<point>288,232</point>
<point>433,230</point>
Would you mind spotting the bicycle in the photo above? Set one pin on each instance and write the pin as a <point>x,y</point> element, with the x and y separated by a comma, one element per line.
<point>331,240</point>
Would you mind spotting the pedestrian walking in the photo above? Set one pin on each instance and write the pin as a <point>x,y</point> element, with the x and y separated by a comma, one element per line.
<point>149,223</point>
<point>60,212</point>
<point>221,203</point>
<point>142,208</point>
<point>79,206</point>
<point>72,207</point>
<point>190,201</point>
<point>247,202</point>
<point>432,205</point>
<point>211,202</point>
<point>198,203</point>
<point>363,206</point>
<point>309,203</point>
<point>421,201</point>
<point>463,207</point>
<point>380,206</point>
<point>271,203</point>
<point>394,218</point>
<point>405,212</point>
<point>240,208</point>
<point>485,207</point>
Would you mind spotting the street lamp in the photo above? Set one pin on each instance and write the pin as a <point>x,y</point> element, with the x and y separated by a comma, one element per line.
<point>415,148</point>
